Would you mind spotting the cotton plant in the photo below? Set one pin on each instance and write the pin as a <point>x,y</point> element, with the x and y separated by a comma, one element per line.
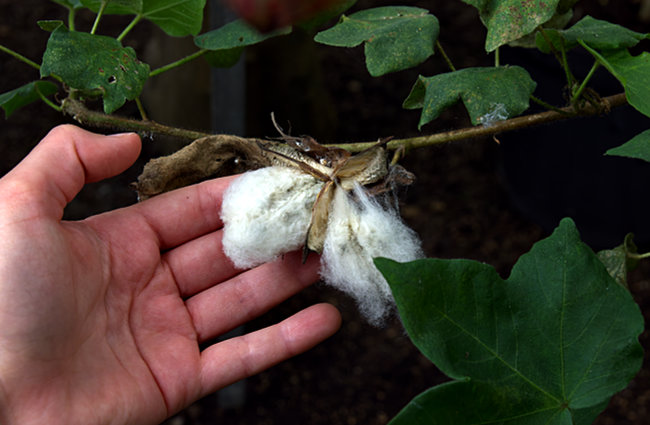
<point>326,201</point>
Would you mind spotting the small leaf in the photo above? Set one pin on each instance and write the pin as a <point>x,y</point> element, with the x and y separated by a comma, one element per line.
<point>597,34</point>
<point>637,147</point>
<point>95,64</point>
<point>49,25</point>
<point>395,38</point>
<point>176,17</point>
<point>25,95</point>
<point>486,93</point>
<point>552,342</point>
<point>632,71</point>
<point>70,4</point>
<point>618,262</point>
<point>509,20</point>
<point>235,35</point>
<point>224,58</point>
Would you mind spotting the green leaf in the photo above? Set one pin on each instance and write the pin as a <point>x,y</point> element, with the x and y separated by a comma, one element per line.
<point>116,7</point>
<point>24,95</point>
<point>70,4</point>
<point>509,20</point>
<point>235,35</point>
<point>395,38</point>
<point>632,71</point>
<point>49,25</point>
<point>599,35</point>
<point>489,94</point>
<point>224,58</point>
<point>555,340</point>
<point>637,147</point>
<point>95,64</point>
<point>618,262</point>
<point>176,17</point>
<point>468,402</point>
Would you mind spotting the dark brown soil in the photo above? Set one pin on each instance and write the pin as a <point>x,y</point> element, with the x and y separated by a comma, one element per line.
<point>464,204</point>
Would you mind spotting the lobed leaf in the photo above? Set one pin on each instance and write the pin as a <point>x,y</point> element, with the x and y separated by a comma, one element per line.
<point>94,64</point>
<point>598,34</point>
<point>176,17</point>
<point>633,72</point>
<point>233,35</point>
<point>509,20</point>
<point>227,43</point>
<point>637,147</point>
<point>24,95</point>
<point>489,94</point>
<point>549,345</point>
<point>395,38</point>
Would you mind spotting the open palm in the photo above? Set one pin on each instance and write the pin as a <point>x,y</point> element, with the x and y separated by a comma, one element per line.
<point>102,318</point>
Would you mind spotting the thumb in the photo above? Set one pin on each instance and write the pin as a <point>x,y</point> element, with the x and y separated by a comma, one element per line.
<point>67,158</point>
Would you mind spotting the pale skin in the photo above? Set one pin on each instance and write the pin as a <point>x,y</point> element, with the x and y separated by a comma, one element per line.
<point>101,319</point>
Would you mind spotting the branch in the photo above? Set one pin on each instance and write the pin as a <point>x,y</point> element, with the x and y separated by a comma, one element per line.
<point>97,119</point>
<point>499,127</point>
<point>85,116</point>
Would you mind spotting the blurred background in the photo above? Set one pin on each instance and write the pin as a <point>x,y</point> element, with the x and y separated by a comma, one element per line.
<point>483,199</point>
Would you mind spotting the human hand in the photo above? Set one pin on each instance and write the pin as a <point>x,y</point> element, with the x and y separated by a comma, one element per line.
<point>101,319</point>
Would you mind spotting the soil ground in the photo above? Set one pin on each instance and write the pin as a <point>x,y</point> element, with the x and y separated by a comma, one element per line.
<point>463,205</point>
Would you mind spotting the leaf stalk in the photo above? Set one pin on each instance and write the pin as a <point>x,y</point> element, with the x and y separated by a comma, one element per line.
<point>177,63</point>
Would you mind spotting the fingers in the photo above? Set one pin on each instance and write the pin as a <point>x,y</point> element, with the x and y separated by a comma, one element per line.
<point>66,159</point>
<point>248,295</point>
<point>184,214</point>
<point>200,264</point>
<point>240,357</point>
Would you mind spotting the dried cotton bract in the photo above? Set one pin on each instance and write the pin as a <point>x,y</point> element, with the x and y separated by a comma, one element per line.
<point>273,210</point>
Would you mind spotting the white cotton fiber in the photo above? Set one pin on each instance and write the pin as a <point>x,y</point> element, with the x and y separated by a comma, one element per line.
<point>359,230</point>
<point>266,213</point>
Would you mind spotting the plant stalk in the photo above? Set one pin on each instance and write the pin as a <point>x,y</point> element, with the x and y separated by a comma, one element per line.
<point>20,57</point>
<point>584,83</point>
<point>129,27</point>
<point>85,116</point>
<point>178,63</point>
<point>445,57</point>
<point>98,18</point>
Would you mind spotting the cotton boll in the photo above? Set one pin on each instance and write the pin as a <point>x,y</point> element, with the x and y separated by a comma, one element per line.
<point>266,213</point>
<point>358,231</point>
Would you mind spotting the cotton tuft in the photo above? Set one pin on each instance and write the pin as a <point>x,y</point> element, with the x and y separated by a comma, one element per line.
<point>266,213</point>
<point>359,230</point>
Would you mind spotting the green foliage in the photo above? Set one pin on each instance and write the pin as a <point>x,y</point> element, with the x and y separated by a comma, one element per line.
<point>228,42</point>
<point>70,4</point>
<point>548,345</point>
<point>29,93</point>
<point>597,34</point>
<point>395,38</point>
<point>489,94</point>
<point>618,260</point>
<point>176,17</point>
<point>637,147</point>
<point>509,20</point>
<point>95,65</point>
<point>633,72</point>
